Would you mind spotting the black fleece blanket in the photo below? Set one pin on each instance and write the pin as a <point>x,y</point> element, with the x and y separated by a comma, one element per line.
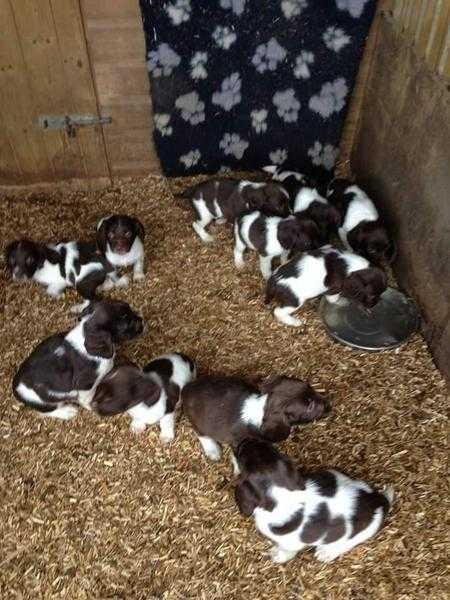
<point>239,84</point>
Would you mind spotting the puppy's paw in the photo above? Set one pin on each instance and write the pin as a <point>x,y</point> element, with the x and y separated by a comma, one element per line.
<point>54,293</point>
<point>239,264</point>
<point>123,281</point>
<point>279,556</point>
<point>138,276</point>
<point>325,555</point>
<point>221,221</point>
<point>137,427</point>
<point>108,285</point>
<point>166,437</point>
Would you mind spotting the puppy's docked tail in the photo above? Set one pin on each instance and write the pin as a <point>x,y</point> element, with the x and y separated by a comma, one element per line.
<point>389,494</point>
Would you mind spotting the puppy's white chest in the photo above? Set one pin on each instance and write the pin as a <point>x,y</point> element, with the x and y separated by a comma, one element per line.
<point>360,209</point>
<point>49,274</point>
<point>252,412</point>
<point>124,260</point>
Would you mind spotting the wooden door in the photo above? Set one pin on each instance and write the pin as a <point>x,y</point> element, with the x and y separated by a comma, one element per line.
<point>45,70</point>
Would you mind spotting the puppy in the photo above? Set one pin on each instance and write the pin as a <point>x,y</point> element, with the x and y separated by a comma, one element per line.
<point>325,510</point>
<point>291,180</point>
<point>67,367</point>
<point>120,239</point>
<point>226,409</point>
<point>339,275</point>
<point>272,237</point>
<point>308,203</point>
<point>223,200</point>
<point>148,396</point>
<point>57,267</point>
<point>361,230</point>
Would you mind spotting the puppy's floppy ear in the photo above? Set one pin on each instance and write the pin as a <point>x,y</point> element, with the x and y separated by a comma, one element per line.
<point>140,231</point>
<point>275,430</point>
<point>247,498</point>
<point>288,232</point>
<point>146,390</point>
<point>97,341</point>
<point>101,235</point>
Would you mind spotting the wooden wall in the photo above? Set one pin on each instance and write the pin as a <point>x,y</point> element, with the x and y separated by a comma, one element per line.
<point>61,57</point>
<point>401,155</point>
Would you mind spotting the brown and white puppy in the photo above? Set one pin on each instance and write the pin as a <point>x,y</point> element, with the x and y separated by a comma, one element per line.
<point>223,200</point>
<point>272,237</point>
<point>225,410</point>
<point>67,367</point>
<point>308,203</point>
<point>120,238</point>
<point>361,230</point>
<point>339,275</point>
<point>58,266</point>
<point>149,396</point>
<point>325,510</point>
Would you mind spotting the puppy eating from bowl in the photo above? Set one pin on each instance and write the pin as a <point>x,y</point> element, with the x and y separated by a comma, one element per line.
<point>342,276</point>
<point>120,238</point>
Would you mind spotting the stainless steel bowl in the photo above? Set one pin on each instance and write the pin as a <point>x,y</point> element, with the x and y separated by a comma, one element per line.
<point>387,325</point>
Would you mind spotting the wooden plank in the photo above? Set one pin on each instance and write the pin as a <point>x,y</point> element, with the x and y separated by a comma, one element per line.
<point>10,171</point>
<point>128,115</point>
<point>127,77</point>
<point>79,91</point>
<point>111,9</point>
<point>426,27</point>
<point>444,64</point>
<point>40,48</point>
<point>111,45</point>
<point>16,96</point>
<point>438,35</point>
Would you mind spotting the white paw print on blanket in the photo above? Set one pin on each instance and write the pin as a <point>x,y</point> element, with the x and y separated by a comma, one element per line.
<point>259,122</point>
<point>292,8</point>
<point>278,156</point>
<point>267,56</point>
<point>232,143</point>
<point>162,61</point>
<point>287,105</point>
<point>162,124</point>
<point>191,158</point>
<point>237,6</point>
<point>230,92</point>
<point>335,38</point>
<point>354,7</point>
<point>302,63</point>
<point>331,98</point>
<point>191,107</point>
<point>179,12</point>
<point>224,37</point>
<point>198,62</point>
<point>323,155</point>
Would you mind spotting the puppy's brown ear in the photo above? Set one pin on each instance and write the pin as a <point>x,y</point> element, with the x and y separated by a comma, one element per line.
<point>140,231</point>
<point>267,385</point>
<point>288,232</point>
<point>146,390</point>
<point>276,429</point>
<point>101,236</point>
<point>98,342</point>
<point>247,498</point>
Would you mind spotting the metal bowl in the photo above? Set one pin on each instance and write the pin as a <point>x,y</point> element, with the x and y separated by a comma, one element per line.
<point>387,325</point>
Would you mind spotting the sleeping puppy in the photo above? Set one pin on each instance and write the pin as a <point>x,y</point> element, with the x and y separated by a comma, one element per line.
<point>67,367</point>
<point>223,200</point>
<point>362,230</point>
<point>58,266</point>
<point>272,237</point>
<point>225,410</point>
<point>149,396</point>
<point>324,510</point>
<point>120,239</point>
<point>308,203</point>
<point>340,275</point>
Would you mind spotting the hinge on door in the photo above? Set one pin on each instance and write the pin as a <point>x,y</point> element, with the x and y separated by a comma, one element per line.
<point>70,122</point>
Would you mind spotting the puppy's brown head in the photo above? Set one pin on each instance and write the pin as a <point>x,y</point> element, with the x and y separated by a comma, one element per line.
<point>109,323</point>
<point>371,240</point>
<point>365,286</point>
<point>293,400</point>
<point>118,232</point>
<point>271,199</point>
<point>123,388</point>
<point>23,258</point>
<point>262,466</point>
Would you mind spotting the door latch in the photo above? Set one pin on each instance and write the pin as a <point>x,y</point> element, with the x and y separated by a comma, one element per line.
<point>70,123</point>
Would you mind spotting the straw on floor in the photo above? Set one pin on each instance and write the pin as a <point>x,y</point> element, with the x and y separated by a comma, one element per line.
<point>90,511</point>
